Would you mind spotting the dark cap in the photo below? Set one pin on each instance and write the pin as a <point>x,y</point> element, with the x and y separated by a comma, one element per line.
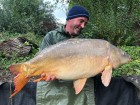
<point>77,11</point>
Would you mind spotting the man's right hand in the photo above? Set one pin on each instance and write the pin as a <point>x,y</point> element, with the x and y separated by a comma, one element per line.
<point>48,78</point>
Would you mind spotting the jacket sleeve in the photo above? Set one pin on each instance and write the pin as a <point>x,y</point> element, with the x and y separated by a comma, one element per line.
<point>46,41</point>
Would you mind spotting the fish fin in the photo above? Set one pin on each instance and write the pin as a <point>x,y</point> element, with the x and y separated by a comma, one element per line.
<point>16,68</point>
<point>79,84</point>
<point>106,75</point>
<point>19,81</point>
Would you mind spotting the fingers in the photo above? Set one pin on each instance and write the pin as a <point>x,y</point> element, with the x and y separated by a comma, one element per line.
<point>43,75</point>
<point>48,78</point>
<point>53,78</point>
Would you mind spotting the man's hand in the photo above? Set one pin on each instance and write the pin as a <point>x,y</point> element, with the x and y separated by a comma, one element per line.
<point>47,78</point>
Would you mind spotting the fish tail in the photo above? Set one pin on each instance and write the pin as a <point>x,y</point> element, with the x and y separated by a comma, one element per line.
<point>21,77</point>
<point>19,81</point>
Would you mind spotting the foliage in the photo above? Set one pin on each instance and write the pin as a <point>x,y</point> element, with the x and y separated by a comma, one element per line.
<point>113,20</point>
<point>5,62</point>
<point>23,16</point>
<point>132,68</point>
<point>31,36</point>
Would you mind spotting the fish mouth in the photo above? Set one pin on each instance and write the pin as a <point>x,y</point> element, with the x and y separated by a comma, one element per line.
<point>130,60</point>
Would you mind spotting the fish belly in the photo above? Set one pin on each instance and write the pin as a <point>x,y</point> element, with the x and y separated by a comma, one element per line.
<point>75,67</point>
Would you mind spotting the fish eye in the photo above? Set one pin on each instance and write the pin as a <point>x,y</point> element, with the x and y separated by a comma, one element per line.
<point>123,53</point>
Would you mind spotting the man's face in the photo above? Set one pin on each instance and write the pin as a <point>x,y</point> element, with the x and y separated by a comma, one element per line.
<point>76,25</point>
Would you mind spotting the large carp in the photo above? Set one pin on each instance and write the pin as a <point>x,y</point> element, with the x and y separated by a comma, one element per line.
<point>73,59</point>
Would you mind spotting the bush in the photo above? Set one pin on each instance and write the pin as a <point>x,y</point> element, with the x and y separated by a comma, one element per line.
<point>24,16</point>
<point>31,36</point>
<point>5,62</point>
<point>132,68</point>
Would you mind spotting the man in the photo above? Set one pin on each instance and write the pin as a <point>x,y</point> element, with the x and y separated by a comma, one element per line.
<point>77,18</point>
<point>62,92</point>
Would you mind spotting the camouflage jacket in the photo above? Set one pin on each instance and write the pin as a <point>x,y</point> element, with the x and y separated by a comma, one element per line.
<point>56,36</point>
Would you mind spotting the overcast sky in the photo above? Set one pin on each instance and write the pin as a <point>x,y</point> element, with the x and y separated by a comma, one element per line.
<point>60,11</point>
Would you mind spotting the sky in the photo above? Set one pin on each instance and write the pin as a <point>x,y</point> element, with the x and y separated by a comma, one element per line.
<point>60,11</point>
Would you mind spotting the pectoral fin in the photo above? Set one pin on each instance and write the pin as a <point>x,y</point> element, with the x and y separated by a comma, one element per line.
<point>79,84</point>
<point>106,75</point>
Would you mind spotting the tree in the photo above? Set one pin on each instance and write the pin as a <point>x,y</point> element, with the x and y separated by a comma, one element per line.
<point>113,20</point>
<point>26,15</point>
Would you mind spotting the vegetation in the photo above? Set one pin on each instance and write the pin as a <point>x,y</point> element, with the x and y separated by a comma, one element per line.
<point>132,68</point>
<point>114,20</point>
<point>22,16</point>
<point>118,22</point>
<point>5,61</point>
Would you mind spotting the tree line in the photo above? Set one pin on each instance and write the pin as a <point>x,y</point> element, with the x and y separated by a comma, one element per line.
<point>22,16</point>
<point>117,21</point>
